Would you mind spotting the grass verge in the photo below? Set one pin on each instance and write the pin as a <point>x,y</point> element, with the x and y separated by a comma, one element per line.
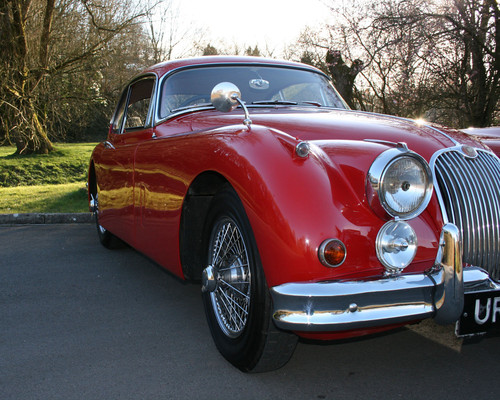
<point>63,198</point>
<point>67,164</point>
<point>45,183</point>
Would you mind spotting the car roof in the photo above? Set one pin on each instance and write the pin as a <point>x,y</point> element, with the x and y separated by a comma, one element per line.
<point>165,67</point>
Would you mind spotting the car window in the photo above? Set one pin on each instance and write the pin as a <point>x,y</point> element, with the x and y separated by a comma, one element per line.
<point>192,87</point>
<point>305,92</point>
<point>120,112</point>
<point>138,103</point>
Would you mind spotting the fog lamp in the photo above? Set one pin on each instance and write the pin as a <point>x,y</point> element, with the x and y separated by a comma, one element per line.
<point>332,253</point>
<point>396,246</point>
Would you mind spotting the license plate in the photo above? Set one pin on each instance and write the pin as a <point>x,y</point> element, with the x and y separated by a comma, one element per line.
<point>481,313</point>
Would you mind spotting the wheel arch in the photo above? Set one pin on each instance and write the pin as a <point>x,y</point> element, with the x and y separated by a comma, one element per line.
<point>194,212</point>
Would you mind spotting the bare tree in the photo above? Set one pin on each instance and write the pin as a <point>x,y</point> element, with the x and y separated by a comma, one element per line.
<point>28,60</point>
<point>471,28</point>
<point>319,50</point>
<point>210,50</point>
<point>438,58</point>
<point>167,33</point>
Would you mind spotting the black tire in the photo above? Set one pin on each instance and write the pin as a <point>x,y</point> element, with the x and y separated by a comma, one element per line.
<point>106,238</point>
<point>244,333</point>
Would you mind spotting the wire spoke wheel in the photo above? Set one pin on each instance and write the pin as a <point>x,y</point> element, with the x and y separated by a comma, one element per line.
<point>237,302</point>
<point>229,258</point>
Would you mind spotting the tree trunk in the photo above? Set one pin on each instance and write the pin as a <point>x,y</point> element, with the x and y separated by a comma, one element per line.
<point>20,118</point>
<point>33,138</point>
<point>343,76</point>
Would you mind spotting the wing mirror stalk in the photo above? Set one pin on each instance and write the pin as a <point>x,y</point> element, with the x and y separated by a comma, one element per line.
<point>226,96</point>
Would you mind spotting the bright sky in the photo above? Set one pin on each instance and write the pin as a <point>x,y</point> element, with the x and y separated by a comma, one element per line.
<point>276,23</point>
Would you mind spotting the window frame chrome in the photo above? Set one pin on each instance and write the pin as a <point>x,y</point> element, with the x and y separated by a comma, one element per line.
<point>157,120</point>
<point>152,103</point>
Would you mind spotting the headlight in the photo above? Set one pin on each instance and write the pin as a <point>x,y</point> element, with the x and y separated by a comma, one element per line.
<point>399,182</point>
<point>396,246</point>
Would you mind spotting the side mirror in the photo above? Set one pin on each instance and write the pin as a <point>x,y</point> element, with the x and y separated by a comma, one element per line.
<point>225,97</point>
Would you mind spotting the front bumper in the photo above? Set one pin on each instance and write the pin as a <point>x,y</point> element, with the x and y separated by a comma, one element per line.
<point>345,305</point>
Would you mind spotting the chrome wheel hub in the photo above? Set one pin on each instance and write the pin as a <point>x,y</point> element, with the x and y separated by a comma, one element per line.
<point>208,281</point>
<point>227,278</point>
<point>94,206</point>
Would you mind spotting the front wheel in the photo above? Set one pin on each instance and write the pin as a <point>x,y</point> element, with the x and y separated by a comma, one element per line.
<point>235,294</point>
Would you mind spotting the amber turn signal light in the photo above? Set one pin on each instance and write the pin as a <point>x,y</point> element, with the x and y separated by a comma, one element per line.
<point>332,253</point>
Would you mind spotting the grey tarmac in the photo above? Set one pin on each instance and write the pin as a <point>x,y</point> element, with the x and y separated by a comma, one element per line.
<point>78,321</point>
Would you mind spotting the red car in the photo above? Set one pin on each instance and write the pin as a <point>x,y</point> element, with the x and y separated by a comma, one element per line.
<point>300,217</point>
<point>489,136</point>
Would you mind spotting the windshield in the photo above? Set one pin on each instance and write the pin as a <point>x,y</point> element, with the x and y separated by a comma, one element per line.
<point>259,85</point>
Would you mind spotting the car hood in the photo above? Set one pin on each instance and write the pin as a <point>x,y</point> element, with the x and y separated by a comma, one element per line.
<point>330,125</point>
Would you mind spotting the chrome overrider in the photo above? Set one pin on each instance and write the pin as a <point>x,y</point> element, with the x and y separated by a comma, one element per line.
<point>346,305</point>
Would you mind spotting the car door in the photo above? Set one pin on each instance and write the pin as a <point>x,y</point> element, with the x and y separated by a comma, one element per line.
<point>161,178</point>
<point>130,126</point>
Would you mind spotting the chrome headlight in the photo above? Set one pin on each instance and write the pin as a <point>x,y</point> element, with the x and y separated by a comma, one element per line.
<point>399,182</point>
<point>396,246</point>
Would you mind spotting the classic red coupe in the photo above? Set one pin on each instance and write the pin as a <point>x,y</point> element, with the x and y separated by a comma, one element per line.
<point>299,216</point>
<point>489,136</point>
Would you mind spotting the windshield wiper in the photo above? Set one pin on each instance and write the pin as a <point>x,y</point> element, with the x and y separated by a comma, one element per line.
<point>313,103</point>
<point>287,102</point>
<point>190,106</point>
<point>276,102</point>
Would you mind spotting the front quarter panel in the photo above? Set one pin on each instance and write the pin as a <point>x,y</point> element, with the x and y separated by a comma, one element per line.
<point>294,204</point>
<point>302,202</point>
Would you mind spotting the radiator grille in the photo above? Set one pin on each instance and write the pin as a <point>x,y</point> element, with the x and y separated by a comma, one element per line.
<point>469,190</point>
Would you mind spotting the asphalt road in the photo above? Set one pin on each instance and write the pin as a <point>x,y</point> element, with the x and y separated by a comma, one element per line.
<point>78,321</point>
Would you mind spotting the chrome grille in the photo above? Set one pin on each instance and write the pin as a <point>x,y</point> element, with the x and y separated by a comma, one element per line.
<point>469,191</point>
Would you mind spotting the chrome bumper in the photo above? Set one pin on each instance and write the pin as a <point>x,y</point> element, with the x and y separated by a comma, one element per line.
<point>346,305</point>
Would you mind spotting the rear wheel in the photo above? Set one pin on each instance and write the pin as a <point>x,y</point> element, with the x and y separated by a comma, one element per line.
<point>106,238</point>
<point>235,294</point>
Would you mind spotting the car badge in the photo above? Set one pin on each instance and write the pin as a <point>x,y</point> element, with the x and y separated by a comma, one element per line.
<point>469,151</point>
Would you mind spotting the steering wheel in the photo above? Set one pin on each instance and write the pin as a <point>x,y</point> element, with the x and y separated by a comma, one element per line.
<point>194,100</point>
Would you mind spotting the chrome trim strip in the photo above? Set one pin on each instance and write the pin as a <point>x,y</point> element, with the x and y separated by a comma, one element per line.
<point>109,145</point>
<point>449,296</point>
<point>326,306</point>
<point>477,280</point>
<point>441,133</point>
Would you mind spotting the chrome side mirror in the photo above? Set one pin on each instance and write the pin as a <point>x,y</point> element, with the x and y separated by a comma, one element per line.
<point>226,96</point>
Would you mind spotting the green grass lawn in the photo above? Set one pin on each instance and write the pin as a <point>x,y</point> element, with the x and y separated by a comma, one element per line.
<point>45,183</point>
<point>63,198</point>
<point>68,163</point>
